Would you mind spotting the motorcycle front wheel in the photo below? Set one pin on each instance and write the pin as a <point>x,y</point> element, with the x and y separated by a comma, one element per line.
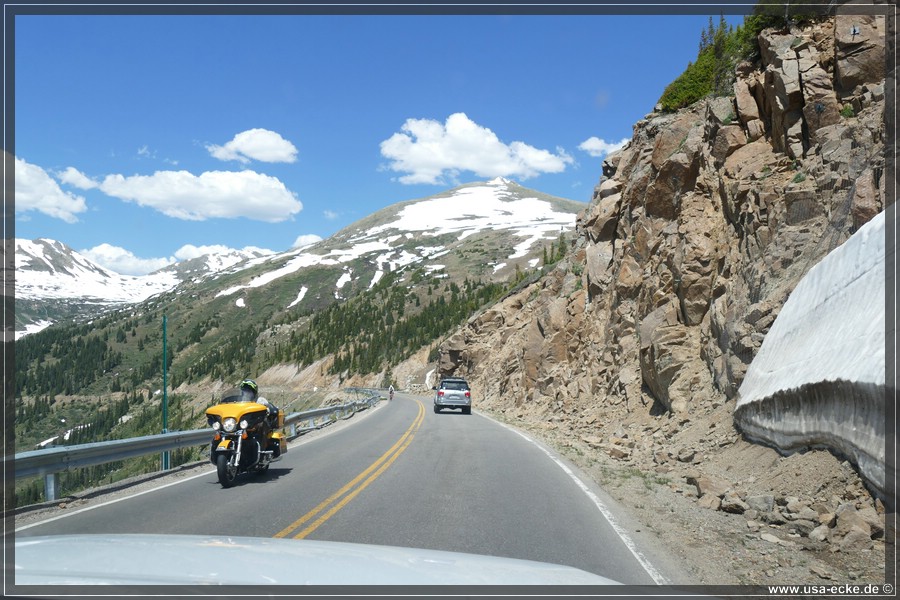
<point>227,473</point>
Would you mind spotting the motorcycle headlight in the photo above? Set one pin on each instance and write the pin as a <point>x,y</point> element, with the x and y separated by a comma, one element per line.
<point>244,424</point>
<point>230,424</point>
<point>217,426</point>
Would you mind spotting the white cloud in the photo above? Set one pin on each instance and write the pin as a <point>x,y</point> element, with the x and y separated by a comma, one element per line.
<point>598,147</point>
<point>256,144</point>
<point>145,152</point>
<point>306,240</point>
<point>75,178</point>
<point>124,262</point>
<point>213,194</point>
<point>431,152</point>
<point>36,190</point>
<point>330,215</point>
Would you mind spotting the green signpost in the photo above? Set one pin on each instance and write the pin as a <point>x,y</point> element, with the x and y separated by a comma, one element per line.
<point>165,398</point>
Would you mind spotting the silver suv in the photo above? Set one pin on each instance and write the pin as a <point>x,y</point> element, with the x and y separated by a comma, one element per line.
<point>453,392</point>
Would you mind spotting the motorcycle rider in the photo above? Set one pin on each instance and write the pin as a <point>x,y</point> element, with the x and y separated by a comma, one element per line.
<point>391,392</point>
<point>250,393</point>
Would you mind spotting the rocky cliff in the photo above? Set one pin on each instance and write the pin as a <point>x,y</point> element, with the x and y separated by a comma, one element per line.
<point>698,231</point>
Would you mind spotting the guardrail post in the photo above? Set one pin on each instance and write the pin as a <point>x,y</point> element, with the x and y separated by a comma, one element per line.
<point>51,486</point>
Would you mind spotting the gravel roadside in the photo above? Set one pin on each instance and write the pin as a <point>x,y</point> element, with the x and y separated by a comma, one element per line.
<point>732,512</point>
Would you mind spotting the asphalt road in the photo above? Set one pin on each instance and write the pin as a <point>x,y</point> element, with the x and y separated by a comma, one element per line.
<point>400,476</point>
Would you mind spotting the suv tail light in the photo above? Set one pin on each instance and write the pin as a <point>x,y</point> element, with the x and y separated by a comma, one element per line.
<point>468,394</point>
<point>440,393</point>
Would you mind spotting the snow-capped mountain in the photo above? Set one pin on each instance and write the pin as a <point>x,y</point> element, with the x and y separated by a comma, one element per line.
<point>53,282</point>
<point>426,230</point>
<point>486,229</point>
<point>48,269</point>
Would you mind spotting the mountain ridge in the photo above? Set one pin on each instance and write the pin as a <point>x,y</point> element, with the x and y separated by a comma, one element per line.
<point>51,274</point>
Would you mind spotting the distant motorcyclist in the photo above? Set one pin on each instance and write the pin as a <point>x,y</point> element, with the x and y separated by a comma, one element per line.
<point>250,393</point>
<point>391,392</point>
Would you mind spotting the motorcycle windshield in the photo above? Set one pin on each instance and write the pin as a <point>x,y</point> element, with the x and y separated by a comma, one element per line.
<point>234,409</point>
<point>233,395</point>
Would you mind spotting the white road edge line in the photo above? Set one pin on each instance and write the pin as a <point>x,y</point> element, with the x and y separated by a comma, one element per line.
<point>87,508</point>
<point>623,535</point>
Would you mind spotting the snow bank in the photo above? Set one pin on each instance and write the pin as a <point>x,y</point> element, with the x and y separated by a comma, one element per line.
<point>819,377</point>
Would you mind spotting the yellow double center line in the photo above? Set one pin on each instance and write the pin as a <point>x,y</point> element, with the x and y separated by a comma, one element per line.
<point>347,493</point>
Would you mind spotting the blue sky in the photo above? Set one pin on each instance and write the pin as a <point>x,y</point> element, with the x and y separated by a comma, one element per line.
<point>142,140</point>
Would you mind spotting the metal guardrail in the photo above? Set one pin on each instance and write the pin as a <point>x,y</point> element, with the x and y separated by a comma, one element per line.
<point>49,462</point>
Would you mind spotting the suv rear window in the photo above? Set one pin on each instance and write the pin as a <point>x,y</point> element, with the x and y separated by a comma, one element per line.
<point>454,385</point>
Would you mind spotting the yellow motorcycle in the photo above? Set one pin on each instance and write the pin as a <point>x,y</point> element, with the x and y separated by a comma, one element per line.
<point>246,439</point>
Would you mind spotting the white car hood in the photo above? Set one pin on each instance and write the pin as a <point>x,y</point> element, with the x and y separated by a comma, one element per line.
<point>145,559</point>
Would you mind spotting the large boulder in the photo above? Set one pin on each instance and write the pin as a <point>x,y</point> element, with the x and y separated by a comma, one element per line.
<point>859,50</point>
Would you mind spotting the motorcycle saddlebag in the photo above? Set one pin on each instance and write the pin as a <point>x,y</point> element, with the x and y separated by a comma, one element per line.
<point>279,442</point>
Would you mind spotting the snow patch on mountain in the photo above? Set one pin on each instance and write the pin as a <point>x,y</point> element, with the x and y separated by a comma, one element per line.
<point>344,279</point>
<point>34,327</point>
<point>300,296</point>
<point>477,208</point>
<point>217,262</point>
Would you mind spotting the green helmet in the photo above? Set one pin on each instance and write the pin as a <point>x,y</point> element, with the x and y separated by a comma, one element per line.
<point>249,390</point>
